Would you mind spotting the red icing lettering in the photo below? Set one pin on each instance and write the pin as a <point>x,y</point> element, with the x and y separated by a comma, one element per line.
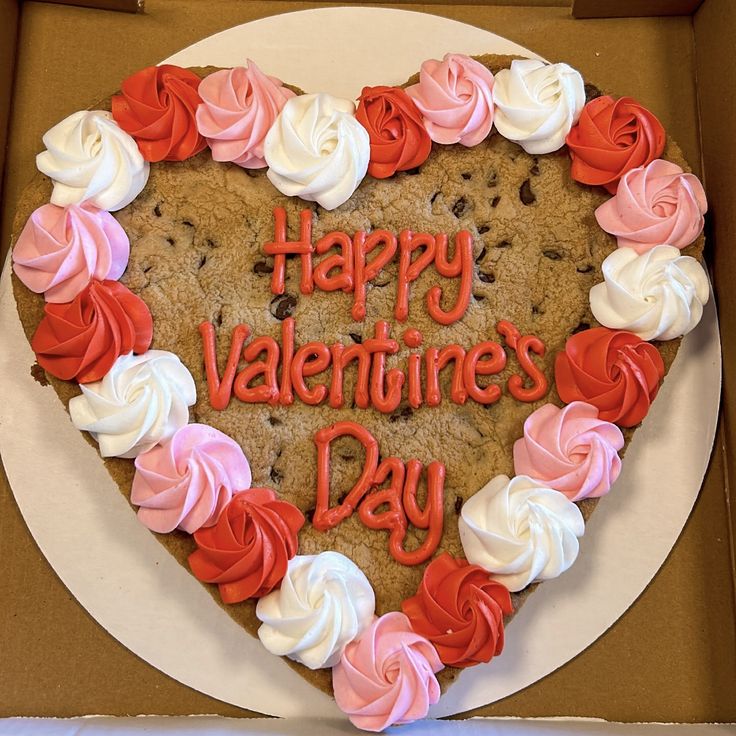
<point>410,268</point>
<point>343,262</point>
<point>309,360</point>
<point>524,345</point>
<point>460,265</point>
<point>365,270</point>
<point>380,345</point>
<point>473,366</point>
<point>435,360</point>
<point>400,496</point>
<point>341,356</point>
<point>268,392</point>
<point>281,247</point>
<point>221,390</point>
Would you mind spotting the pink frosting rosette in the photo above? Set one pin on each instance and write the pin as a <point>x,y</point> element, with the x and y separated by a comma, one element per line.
<point>61,249</point>
<point>186,482</point>
<point>238,107</point>
<point>454,97</point>
<point>654,205</point>
<point>386,676</point>
<point>570,450</point>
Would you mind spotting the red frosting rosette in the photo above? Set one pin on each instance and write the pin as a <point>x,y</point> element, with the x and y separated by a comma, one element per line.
<point>399,140</point>
<point>157,107</point>
<point>615,371</point>
<point>611,138</point>
<point>81,339</point>
<point>460,610</point>
<point>247,551</point>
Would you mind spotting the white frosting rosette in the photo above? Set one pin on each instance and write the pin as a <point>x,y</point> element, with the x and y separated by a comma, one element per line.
<point>537,104</point>
<point>324,602</point>
<point>317,150</point>
<point>520,531</point>
<point>141,401</point>
<point>91,159</point>
<point>658,295</point>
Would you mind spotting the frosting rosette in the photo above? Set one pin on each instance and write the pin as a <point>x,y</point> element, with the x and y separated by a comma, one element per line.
<point>246,553</point>
<point>655,204</point>
<point>617,372</point>
<point>520,531</point>
<point>397,135</point>
<point>141,401</point>
<point>61,249</point>
<point>90,159</point>
<point>317,150</point>
<point>323,603</point>
<point>537,104</point>
<point>81,340</point>
<point>611,138</point>
<point>238,108</point>
<point>157,106</point>
<point>658,295</point>
<point>186,482</point>
<point>460,610</point>
<point>387,676</point>
<point>455,99</point>
<point>570,450</point>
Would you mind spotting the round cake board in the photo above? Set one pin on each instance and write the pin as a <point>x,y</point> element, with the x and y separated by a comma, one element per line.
<point>128,582</point>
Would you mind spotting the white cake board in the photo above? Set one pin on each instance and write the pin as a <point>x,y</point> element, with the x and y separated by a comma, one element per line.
<point>129,583</point>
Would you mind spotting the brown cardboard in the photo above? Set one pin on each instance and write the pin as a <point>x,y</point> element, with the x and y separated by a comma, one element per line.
<point>632,8</point>
<point>124,6</point>
<point>57,661</point>
<point>8,37</point>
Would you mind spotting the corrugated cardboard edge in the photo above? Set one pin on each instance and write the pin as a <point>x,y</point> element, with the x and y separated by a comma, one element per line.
<point>8,42</point>
<point>714,28</point>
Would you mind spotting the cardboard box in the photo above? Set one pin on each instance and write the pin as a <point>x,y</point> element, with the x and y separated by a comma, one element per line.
<point>59,662</point>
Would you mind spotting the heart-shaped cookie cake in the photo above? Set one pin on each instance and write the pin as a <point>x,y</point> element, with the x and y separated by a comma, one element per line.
<point>364,368</point>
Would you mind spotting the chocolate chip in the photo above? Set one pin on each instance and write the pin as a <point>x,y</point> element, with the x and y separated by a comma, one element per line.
<point>202,261</point>
<point>582,326</point>
<point>492,179</point>
<point>283,306</point>
<point>341,499</point>
<point>459,207</point>
<point>251,173</point>
<point>495,201</point>
<point>486,277</point>
<point>157,211</point>
<point>479,297</point>
<point>347,458</point>
<point>276,477</point>
<point>466,175</point>
<point>536,309</point>
<point>356,337</point>
<point>483,229</point>
<point>262,268</point>
<point>217,319</point>
<point>587,268</point>
<point>170,240</point>
<point>553,255</point>
<point>503,244</point>
<point>146,269</point>
<point>591,92</point>
<point>211,243</point>
<point>434,197</point>
<point>534,171</point>
<point>187,223</point>
<point>481,255</point>
<point>309,514</point>
<point>39,374</point>
<point>274,421</point>
<point>526,195</point>
<point>458,504</point>
<point>402,414</point>
<point>413,172</point>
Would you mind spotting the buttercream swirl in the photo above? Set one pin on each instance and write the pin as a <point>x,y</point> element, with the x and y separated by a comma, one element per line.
<point>655,204</point>
<point>611,138</point>
<point>90,159</point>
<point>238,108</point>
<point>570,450</point>
<point>537,104</point>
<point>323,603</point>
<point>186,482</point>
<point>142,400</point>
<point>246,552</point>
<point>61,249</point>
<point>397,135</point>
<point>520,531</point>
<point>157,106</point>
<point>81,340</point>
<point>617,372</point>
<point>317,150</point>
<point>455,98</point>
<point>658,295</point>
<point>460,610</point>
<point>387,676</point>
